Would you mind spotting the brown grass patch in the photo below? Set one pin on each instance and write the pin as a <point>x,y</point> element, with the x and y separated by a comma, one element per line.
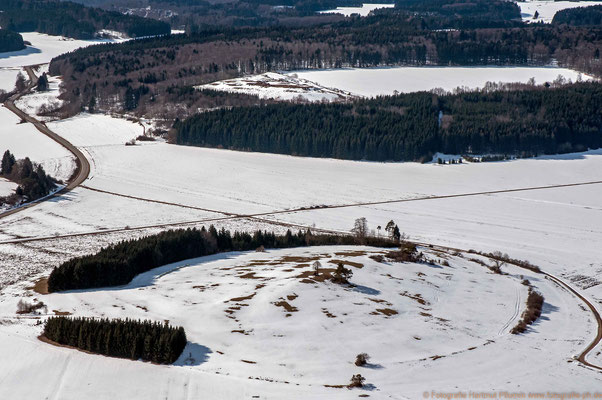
<point>249,275</point>
<point>436,357</point>
<point>57,312</point>
<point>298,259</point>
<point>425,314</point>
<point>286,306</point>
<point>335,386</point>
<point>350,263</point>
<point>292,297</point>
<point>249,362</point>
<point>378,257</point>
<point>309,277</point>
<point>417,338</point>
<point>416,297</point>
<point>239,299</point>
<point>380,301</point>
<point>41,286</point>
<point>240,331</point>
<point>328,313</point>
<point>351,253</point>
<point>387,311</point>
<point>301,266</point>
<point>384,311</point>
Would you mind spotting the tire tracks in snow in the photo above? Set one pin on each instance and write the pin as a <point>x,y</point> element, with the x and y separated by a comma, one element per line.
<point>514,315</point>
<point>582,357</point>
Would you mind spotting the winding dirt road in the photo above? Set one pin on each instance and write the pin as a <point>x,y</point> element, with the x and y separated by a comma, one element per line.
<point>82,169</point>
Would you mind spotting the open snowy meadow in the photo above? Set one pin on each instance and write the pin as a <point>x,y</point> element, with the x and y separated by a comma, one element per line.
<point>364,10</point>
<point>546,9</point>
<point>371,82</point>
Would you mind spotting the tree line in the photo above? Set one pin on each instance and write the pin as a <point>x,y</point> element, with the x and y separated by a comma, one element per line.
<point>10,41</point>
<point>120,263</point>
<point>410,127</point>
<point>579,16</point>
<point>33,181</point>
<point>69,19</point>
<point>146,74</point>
<point>136,340</point>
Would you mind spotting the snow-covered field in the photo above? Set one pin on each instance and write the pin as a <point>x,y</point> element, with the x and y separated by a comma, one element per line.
<point>258,325</point>
<point>6,187</point>
<point>24,140</point>
<point>548,8</point>
<point>381,81</point>
<point>273,85</point>
<point>465,306</point>
<point>364,10</point>
<point>43,49</point>
<point>8,77</point>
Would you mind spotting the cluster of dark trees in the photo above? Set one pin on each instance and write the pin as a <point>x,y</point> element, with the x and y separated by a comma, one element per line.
<point>580,16</point>
<point>136,340</point>
<point>31,178</point>
<point>465,13</point>
<point>65,18</point>
<point>119,264</point>
<point>10,41</point>
<point>411,127</point>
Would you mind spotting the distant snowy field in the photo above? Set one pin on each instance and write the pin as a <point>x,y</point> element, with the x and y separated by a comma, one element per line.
<point>257,328</point>
<point>383,81</point>
<point>273,85</point>
<point>364,10</point>
<point>548,8</point>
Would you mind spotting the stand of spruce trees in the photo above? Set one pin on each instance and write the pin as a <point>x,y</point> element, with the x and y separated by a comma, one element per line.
<point>146,340</point>
<point>120,263</point>
<point>411,127</point>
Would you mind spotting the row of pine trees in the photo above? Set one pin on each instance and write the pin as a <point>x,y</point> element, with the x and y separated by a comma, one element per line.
<point>120,263</point>
<point>136,340</point>
<point>411,127</point>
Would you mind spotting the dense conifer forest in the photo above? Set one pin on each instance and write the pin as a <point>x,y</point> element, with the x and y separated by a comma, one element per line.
<point>136,340</point>
<point>580,16</point>
<point>120,263</point>
<point>69,19</point>
<point>411,127</point>
<point>10,41</point>
<point>33,181</point>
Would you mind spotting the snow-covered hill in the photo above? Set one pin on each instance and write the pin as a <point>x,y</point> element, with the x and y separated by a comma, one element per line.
<point>260,324</point>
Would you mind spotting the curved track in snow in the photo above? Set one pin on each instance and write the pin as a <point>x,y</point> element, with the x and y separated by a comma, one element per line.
<point>581,358</point>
